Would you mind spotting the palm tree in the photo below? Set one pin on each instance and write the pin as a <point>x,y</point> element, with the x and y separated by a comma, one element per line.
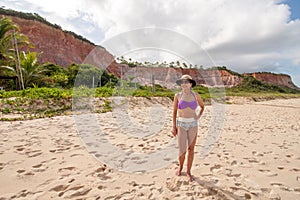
<point>10,39</point>
<point>6,27</point>
<point>32,71</point>
<point>9,33</point>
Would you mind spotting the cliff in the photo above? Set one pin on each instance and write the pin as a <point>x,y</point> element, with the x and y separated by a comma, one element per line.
<point>166,76</point>
<point>64,48</point>
<point>283,80</point>
<point>57,46</point>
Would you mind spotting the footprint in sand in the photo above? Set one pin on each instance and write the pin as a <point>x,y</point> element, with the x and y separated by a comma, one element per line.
<point>29,174</point>
<point>72,180</point>
<point>280,167</point>
<point>251,159</point>
<point>233,163</point>
<point>67,169</point>
<point>22,194</point>
<point>174,184</point>
<point>101,187</point>
<point>268,172</point>
<point>79,191</point>
<point>295,170</point>
<point>68,191</point>
<point>276,184</point>
<point>216,168</point>
<point>133,183</point>
<point>39,168</point>
<point>19,148</point>
<point>237,184</point>
<point>59,188</point>
<point>255,153</point>
<point>21,171</point>
<point>234,175</point>
<point>102,173</point>
<point>2,166</point>
<point>33,153</point>
<point>289,155</point>
<point>76,154</point>
<point>281,186</point>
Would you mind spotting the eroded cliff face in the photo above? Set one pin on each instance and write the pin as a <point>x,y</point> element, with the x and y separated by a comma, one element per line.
<point>166,76</point>
<point>275,79</point>
<point>58,47</point>
<point>63,49</point>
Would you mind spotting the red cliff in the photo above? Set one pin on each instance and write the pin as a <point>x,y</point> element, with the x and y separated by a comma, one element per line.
<point>283,80</point>
<point>57,46</point>
<point>63,48</point>
<point>166,76</point>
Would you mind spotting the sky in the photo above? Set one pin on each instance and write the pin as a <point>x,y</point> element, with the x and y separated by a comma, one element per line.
<point>245,36</point>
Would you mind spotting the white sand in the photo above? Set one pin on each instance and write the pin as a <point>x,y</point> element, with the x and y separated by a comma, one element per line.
<point>257,156</point>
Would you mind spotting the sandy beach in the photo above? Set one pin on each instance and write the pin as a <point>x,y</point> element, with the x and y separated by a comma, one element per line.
<point>255,155</point>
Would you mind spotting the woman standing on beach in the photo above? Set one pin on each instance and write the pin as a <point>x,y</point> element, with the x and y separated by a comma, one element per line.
<point>185,121</point>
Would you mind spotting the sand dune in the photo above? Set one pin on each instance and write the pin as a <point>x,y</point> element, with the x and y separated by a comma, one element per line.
<point>255,154</point>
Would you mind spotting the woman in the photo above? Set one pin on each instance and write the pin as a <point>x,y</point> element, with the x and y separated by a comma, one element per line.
<point>185,121</point>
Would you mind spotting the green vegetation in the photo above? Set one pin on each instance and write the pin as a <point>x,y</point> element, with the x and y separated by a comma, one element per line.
<point>251,85</point>
<point>46,89</point>
<point>35,103</point>
<point>257,91</point>
<point>10,40</point>
<point>38,93</point>
<point>47,102</point>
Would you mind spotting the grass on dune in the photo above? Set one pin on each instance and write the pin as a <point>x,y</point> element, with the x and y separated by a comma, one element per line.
<point>48,102</point>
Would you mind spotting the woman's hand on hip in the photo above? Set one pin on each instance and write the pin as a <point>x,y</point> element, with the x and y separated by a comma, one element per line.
<point>197,117</point>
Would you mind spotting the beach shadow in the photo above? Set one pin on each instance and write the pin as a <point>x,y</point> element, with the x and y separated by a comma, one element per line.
<point>217,191</point>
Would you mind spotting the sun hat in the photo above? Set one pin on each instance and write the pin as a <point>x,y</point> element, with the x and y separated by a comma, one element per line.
<point>186,77</point>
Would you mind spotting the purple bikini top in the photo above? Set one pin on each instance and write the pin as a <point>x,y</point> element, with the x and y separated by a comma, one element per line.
<point>188,104</point>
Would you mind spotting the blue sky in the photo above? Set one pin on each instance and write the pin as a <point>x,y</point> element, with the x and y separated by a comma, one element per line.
<point>246,36</point>
<point>294,8</point>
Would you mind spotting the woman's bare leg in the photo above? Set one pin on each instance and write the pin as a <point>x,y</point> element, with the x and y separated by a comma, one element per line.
<point>192,137</point>
<point>181,162</point>
<point>182,139</point>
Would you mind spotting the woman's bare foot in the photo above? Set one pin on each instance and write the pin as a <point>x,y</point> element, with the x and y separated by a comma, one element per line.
<point>190,177</point>
<point>178,172</point>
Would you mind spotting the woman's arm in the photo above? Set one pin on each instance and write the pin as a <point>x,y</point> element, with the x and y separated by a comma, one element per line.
<point>175,104</point>
<point>201,104</point>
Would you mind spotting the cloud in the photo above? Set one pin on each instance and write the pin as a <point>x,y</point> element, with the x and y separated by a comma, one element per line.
<point>250,35</point>
<point>68,14</point>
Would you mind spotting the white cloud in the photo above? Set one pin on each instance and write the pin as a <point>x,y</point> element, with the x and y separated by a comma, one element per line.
<point>249,35</point>
<point>63,9</point>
